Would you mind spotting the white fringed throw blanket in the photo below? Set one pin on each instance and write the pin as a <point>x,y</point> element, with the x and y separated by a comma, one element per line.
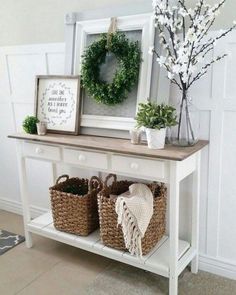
<point>135,209</point>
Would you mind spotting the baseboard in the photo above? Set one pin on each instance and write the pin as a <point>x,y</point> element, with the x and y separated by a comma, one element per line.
<point>218,266</point>
<point>16,207</point>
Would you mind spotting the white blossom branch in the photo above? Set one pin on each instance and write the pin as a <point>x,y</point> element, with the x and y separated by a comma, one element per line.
<point>181,55</point>
<point>173,81</point>
<point>212,41</point>
<point>204,69</point>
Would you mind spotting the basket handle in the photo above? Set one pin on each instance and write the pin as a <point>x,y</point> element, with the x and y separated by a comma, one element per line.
<point>108,177</point>
<point>94,179</point>
<point>62,176</point>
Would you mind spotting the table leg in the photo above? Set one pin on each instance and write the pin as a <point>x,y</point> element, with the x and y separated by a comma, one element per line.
<point>195,213</point>
<point>54,173</point>
<point>24,195</point>
<point>173,229</point>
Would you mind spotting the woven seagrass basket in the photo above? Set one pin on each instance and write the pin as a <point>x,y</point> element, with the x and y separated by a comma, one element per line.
<point>74,204</point>
<point>111,235</point>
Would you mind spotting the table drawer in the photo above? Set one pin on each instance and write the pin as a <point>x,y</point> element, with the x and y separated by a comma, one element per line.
<point>42,151</point>
<point>139,167</point>
<point>85,158</point>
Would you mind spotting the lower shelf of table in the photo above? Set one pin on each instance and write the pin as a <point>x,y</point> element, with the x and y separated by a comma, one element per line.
<point>157,261</point>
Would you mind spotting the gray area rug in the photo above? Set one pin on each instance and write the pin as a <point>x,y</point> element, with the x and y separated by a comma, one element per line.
<point>9,240</point>
<point>120,279</point>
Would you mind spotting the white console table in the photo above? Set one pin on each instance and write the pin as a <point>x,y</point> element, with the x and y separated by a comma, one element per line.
<point>171,165</point>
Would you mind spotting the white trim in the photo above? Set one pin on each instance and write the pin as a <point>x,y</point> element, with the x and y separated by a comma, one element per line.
<point>71,18</point>
<point>218,266</point>
<point>16,207</point>
<point>143,22</point>
<point>118,123</point>
<point>33,49</point>
<point>70,26</point>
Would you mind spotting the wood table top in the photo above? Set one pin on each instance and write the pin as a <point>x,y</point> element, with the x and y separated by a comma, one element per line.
<point>116,145</point>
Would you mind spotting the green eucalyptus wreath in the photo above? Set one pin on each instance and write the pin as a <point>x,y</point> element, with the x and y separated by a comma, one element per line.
<point>128,55</point>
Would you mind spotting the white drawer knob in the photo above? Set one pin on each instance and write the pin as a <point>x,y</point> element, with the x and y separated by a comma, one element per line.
<point>38,150</point>
<point>81,158</point>
<point>134,166</point>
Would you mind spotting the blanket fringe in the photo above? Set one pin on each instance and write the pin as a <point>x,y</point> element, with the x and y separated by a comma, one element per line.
<point>132,234</point>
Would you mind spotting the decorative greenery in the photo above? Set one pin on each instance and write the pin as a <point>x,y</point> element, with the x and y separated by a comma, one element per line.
<point>29,124</point>
<point>156,116</point>
<point>128,55</point>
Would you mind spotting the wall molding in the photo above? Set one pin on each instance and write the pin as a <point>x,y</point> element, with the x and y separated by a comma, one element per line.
<point>217,266</point>
<point>16,207</point>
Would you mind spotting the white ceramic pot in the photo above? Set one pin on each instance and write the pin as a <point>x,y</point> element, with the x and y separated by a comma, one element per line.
<point>156,138</point>
<point>42,128</point>
<point>135,136</point>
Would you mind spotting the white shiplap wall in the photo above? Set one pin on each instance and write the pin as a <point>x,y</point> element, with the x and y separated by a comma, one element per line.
<point>215,96</point>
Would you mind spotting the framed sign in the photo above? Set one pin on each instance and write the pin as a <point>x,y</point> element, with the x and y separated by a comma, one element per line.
<point>58,103</point>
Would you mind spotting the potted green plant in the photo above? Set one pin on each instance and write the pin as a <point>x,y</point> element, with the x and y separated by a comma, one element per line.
<point>156,118</point>
<point>30,124</point>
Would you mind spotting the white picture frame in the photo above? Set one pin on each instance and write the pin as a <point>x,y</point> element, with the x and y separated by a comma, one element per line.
<point>141,22</point>
<point>57,102</point>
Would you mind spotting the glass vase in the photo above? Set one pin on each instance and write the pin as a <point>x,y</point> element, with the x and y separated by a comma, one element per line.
<point>186,133</point>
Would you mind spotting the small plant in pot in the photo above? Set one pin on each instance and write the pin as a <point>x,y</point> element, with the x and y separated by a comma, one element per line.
<point>156,118</point>
<point>30,124</point>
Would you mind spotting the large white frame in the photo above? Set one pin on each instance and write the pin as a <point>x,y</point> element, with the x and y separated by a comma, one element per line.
<point>143,22</point>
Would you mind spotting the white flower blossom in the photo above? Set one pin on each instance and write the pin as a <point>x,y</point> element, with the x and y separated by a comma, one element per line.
<point>170,75</point>
<point>207,6</point>
<point>192,69</point>
<point>191,36</point>
<point>161,60</point>
<point>191,12</point>
<point>151,49</point>
<point>210,14</point>
<point>185,78</point>
<point>183,39</point>
<point>176,69</point>
<point>200,59</point>
<point>162,6</point>
<point>182,12</point>
<point>181,51</point>
<point>155,3</point>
